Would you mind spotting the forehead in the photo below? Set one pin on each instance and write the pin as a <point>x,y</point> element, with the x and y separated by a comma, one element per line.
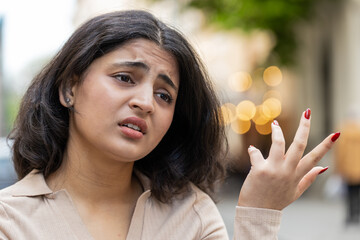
<point>143,48</point>
<point>145,51</point>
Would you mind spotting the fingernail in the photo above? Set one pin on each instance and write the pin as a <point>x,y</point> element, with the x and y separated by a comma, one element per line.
<point>307,113</point>
<point>323,170</point>
<point>275,123</point>
<point>335,136</point>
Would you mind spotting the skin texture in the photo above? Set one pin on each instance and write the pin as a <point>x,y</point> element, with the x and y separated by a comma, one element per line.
<point>133,82</point>
<point>283,177</point>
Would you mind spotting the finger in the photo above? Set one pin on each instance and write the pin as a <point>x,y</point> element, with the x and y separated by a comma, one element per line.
<point>277,149</point>
<point>255,156</point>
<point>308,179</point>
<point>297,147</point>
<point>313,157</point>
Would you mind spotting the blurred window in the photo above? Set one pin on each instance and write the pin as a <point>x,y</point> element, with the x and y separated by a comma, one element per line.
<point>7,172</point>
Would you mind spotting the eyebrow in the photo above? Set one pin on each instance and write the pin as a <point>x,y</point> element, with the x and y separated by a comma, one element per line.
<point>144,66</point>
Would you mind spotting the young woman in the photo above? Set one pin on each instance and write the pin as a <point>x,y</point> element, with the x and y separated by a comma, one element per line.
<point>120,137</point>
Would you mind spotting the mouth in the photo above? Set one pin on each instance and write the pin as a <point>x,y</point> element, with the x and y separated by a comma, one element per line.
<point>134,123</point>
<point>132,126</point>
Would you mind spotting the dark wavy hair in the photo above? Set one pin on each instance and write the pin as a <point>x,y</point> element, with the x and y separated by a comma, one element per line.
<point>191,150</point>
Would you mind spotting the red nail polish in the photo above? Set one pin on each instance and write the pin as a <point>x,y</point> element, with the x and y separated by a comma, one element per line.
<point>307,113</point>
<point>275,123</point>
<point>323,170</point>
<point>335,136</point>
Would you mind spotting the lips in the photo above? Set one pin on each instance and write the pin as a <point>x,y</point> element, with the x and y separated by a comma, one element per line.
<point>134,123</point>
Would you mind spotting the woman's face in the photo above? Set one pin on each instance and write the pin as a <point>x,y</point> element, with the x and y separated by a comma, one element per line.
<point>125,103</point>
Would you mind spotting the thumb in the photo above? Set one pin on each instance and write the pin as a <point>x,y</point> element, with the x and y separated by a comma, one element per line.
<point>255,155</point>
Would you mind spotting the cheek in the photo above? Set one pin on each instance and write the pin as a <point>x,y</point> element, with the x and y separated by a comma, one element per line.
<point>93,112</point>
<point>165,122</point>
<point>96,101</point>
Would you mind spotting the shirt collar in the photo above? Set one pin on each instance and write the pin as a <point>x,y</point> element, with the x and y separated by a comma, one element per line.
<point>144,180</point>
<point>34,184</point>
<point>31,185</point>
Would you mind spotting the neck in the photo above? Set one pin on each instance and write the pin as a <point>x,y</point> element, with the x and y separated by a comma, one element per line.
<point>91,179</point>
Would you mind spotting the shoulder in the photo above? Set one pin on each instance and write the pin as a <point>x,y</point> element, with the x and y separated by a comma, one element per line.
<point>7,193</point>
<point>194,214</point>
<point>205,209</point>
<point>208,214</point>
<point>194,204</point>
<point>204,205</point>
<point>201,199</point>
<point>25,194</point>
<point>7,205</point>
<point>33,184</point>
<point>24,209</point>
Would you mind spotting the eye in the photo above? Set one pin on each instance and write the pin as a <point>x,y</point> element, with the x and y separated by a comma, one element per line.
<point>165,96</point>
<point>123,78</point>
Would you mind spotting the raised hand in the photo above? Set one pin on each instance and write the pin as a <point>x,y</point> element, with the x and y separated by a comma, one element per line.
<point>279,180</point>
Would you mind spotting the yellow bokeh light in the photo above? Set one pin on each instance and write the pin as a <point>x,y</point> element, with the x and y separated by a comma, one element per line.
<point>272,76</point>
<point>240,127</point>
<point>245,110</point>
<point>260,118</point>
<point>264,129</point>
<point>240,81</point>
<point>271,108</point>
<point>228,111</point>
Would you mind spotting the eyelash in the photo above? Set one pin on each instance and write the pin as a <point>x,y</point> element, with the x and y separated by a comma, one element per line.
<point>120,76</point>
<point>164,96</point>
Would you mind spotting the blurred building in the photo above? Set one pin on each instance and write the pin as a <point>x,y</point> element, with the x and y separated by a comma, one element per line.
<point>329,59</point>
<point>1,80</point>
<point>345,61</point>
<point>328,71</point>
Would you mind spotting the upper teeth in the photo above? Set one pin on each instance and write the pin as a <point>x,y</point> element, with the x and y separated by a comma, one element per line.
<point>129,125</point>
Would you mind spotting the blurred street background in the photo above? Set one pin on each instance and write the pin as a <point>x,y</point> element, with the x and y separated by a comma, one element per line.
<point>312,217</point>
<point>268,59</point>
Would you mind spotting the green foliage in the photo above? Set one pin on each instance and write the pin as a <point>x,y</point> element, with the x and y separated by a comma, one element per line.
<point>279,16</point>
<point>12,102</point>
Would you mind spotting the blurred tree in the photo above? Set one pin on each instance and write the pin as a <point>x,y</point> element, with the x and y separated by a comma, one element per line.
<point>279,16</point>
<point>12,93</point>
<point>12,102</point>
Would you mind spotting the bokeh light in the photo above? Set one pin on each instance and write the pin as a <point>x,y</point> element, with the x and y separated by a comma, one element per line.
<point>264,129</point>
<point>271,108</point>
<point>240,127</point>
<point>259,117</point>
<point>245,110</point>
<point>240,81</point>
<point>272,76</point>
<point>241,115</point>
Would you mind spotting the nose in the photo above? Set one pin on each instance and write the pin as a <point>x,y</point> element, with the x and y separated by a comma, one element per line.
<point>143,100</point>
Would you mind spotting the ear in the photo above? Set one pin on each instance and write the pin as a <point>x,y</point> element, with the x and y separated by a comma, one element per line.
<point>67,93</point>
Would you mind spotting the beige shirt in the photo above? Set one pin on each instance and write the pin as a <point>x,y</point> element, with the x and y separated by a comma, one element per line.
<point>29,210</point>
